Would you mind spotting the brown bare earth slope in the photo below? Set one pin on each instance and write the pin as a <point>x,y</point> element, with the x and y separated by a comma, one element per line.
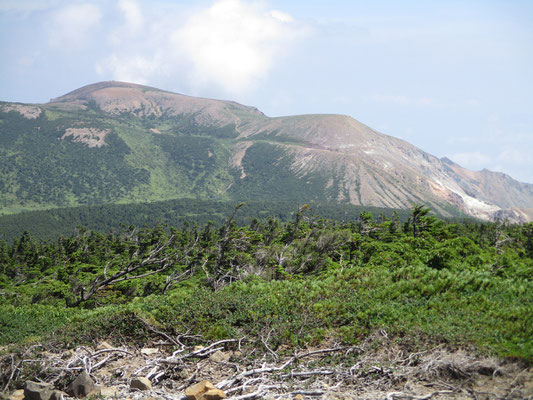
<point>345,160</point>
<point>144,101</point>
<point>393,173</point>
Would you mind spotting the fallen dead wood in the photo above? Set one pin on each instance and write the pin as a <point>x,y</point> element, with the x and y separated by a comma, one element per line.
<point>400,395</point>
<point>158,367</point>
<point>244,379</point>
<point>246,373</point>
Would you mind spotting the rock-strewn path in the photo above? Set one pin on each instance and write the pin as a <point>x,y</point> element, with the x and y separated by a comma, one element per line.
<point>230,369</point>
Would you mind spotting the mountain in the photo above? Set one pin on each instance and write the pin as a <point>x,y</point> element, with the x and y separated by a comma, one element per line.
<point>115,142</point>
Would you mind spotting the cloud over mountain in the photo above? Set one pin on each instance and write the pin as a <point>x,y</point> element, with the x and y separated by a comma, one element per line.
<point>231,44</point>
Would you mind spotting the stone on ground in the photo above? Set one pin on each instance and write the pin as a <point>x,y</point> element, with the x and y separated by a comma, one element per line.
<point>103,345</point>
<point>81,386</point>
<point>58,395</point>
<point>204,390</point>
<point>141,383</point>
<point>213,394</point>
<point>103,391</point>
<point>37,391</point>
<point>219,356</point>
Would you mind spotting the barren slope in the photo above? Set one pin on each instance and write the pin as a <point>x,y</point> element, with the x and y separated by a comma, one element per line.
<point>384,171</point>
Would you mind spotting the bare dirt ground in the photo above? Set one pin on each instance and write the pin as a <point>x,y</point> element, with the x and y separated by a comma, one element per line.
<point>92,137</point>
<point>28,111</point>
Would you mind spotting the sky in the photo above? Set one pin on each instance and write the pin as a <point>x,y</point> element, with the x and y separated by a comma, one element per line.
<point>454,78</point>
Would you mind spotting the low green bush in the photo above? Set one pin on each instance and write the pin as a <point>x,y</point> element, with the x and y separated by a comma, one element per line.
<point>293,284</point>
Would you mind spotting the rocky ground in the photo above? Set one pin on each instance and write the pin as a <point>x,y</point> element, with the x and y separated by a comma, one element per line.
<point>169,369</point>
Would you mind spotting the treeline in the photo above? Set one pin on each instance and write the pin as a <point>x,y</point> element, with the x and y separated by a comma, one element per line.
<point>51,224</point>
<point>93,268</point>
<point>296,282</point>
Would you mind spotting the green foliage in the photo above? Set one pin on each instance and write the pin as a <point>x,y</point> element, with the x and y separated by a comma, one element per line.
<point>269,176</point>
<point>51,224</point>
<point>27,323</point>
<point>296,282</point>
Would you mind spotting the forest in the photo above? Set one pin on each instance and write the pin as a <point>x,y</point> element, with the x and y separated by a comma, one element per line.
<point>296,282</point>
<point>53,223</point>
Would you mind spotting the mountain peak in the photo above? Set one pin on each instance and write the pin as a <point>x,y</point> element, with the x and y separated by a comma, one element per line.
<point>87,92</point>
<point>123,97</point>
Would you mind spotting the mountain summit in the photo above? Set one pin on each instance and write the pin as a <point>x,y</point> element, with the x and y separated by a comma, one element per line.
<point>121,142</point>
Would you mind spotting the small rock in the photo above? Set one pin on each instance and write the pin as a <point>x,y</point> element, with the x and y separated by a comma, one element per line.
<point>81,386</point>
<point>204,390</point>
<point>237,354</point>
<point>298,397</point>
<point>16,395</point>
<point>213,394</point>
<point>148,351</point>
<point>37,391</point>
<point>196,391</point>
<point>219,356</point>
<point>141,383</point>
<point>58,395</point>
<point>198,348</point>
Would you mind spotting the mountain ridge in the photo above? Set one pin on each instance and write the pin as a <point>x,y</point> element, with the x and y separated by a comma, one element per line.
<point>171,145</point>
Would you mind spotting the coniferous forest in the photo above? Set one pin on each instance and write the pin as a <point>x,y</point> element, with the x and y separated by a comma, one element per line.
<point>421,279</point>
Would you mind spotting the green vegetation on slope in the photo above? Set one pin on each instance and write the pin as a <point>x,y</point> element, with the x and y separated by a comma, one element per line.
<point>142,160</point>
<point>51,224</point>
<point>38,168</point>
<point>310,279</point>
<point>42,167</point>
<point>269,176</point>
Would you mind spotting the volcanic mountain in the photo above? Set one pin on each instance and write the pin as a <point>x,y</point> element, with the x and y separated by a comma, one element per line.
<point>115,142</point>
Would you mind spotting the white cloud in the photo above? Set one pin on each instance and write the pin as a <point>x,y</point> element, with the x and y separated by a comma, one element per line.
<point>135,68</point>
<point>230,45</point>
<point>70,26</point>
<point>137,44</point>
<point>515,160</point>
<point>133,22</point>
<point>281,16</point>
<point>132,14</point>
<point>233,43</point>
<point>514,156</point>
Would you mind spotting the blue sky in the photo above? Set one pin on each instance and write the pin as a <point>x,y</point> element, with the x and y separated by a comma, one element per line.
<point>454,78</point>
